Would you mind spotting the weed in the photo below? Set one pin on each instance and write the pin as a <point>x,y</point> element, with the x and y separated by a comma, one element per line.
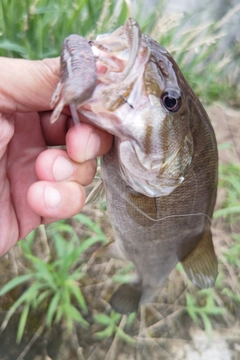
<point>196,311</point>
<point>110,323</point>
<point>232,254</point>
<point>229,179</point>
<point>36,29</point>
<point>53,285</point>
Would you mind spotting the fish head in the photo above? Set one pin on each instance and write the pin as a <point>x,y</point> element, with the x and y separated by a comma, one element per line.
<point>148,113</point>
<point>156,149</point>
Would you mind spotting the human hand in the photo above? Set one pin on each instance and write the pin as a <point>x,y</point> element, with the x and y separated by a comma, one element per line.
<point>37,184</point>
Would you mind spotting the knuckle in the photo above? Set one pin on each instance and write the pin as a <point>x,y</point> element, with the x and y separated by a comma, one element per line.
<point>88,172</point>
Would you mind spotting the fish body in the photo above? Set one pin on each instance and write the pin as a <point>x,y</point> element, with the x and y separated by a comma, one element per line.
<point>160,177</point>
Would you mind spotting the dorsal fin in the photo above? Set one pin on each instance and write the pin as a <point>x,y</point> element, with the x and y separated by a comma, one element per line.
<point>97,194</point>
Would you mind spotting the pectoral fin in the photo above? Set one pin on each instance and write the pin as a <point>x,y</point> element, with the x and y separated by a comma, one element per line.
<point>201,264</point>
<point>126,298</point>
<point>97,194</point>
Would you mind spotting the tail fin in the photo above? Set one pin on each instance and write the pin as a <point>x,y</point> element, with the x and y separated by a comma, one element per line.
<point>126,298</point>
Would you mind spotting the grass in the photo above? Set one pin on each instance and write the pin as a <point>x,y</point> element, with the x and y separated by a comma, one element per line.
<point>53,285</point>
<point>56,276</point>
<point>229,179</point>
<point>35,29</point>
<point>111,327</point>
<point>204,311</point>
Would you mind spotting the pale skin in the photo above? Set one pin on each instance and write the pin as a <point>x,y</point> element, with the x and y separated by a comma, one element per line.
<point>37,184</point>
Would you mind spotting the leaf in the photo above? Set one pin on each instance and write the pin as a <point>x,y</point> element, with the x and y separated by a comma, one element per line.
<point>190,301</point>
<point>227,211</point>
<point>12,46</point>
<point>192,314</point>
<point>131,317</point>
<point>60,244</point>
<point>85,220</point>
<point>15,282</point>
<point>190,307</point>
<point>89,242</point>
<point>44,274</point>
<point>72,314</point>
<point>26,244</point>
<point>207,324</point>
<point>42,296</point>
<point>76,316</point>
<point>217,311</point>
<point>24,297</point>
<point>77,275</point>
<point>78,295</point>
<point>116,317</point>
<point>22,322</point>
<point>127,338</point>
<point>52,308</point>
<point>100,335</point>
<point>102,319</point>
<point>59,314</point>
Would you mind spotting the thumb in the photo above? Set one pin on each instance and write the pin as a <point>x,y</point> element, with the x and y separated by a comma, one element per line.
<point>27,85</point>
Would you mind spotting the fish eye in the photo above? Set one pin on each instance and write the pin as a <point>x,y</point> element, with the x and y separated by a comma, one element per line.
<point>171,100</point>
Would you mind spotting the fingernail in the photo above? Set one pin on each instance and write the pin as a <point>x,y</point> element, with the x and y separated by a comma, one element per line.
<point>92,146</point>
<point>62,168</point>
<point>52,197</point>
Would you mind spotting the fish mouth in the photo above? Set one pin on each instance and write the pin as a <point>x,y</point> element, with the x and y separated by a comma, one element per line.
<point>127,103</point>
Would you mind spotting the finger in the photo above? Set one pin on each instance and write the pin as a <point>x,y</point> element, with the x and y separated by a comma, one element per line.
<point>6,133</point>
<point>27,85</point>
<point>86,142</point>
<point>55,165</point>
<point>57,200</point>
<point>54,134</point>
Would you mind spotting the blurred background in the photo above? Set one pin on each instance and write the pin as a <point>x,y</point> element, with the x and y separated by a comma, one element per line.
<point>53,295</point>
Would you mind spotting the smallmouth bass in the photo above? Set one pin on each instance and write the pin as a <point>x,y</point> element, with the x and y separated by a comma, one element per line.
<point>160,177</point>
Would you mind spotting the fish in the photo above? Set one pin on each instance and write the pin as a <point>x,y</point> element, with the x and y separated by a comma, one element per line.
<point>160,176</point>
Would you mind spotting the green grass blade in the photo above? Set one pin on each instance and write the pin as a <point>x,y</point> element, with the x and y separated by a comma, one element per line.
<point>227,211</point>
<point>15,282</point>
<point>102,319</point>
<point>75,290</point>
<point>24,297</point>
<point>106,333</point>
<point>52,308</point>
<point>207,324</point>
<point>125,337</point>
<point>75,315</point>
<point>22,322</point>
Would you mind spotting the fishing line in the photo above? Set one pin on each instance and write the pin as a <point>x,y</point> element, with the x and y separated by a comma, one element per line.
<point>123,196</point>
